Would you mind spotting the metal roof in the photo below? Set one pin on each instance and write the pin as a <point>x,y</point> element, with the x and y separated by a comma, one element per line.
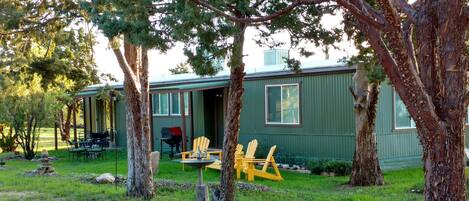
<point>193,86</point>
<point>264,72</point>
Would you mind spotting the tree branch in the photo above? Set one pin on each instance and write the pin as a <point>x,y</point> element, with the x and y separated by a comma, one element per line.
<point>406,8</point>
<point>280,12</point>
<point>364,12</point>
<point>406,82</point>
<point>126,68</point>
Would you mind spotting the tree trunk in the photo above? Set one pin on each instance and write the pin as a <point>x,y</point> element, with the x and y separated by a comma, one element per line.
<point>136,88</point>
<point>235,96</point>
<point>444,168</point>
<point>65,123</point>
<point>365,168</point>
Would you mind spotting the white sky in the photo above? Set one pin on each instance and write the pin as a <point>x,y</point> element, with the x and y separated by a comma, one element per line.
<point>160,63</point>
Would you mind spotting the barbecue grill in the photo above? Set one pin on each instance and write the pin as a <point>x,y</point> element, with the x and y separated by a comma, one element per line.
<point>171,136</point>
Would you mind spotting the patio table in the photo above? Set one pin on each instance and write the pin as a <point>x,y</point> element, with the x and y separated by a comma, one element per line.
<point>76,152</point>
<point>94,153</point>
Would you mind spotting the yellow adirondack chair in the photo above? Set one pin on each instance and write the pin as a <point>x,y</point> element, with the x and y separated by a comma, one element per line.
<point>250,151</point>
<point>199,144</point>
<point>250,168</point>
<point>217,164</point>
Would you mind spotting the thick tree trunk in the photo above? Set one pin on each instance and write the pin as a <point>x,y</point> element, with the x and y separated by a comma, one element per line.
<point>444,167</point>
<point>235,96</point>
<point>65,122</point>
<point>136,88</point>
<point>365,168</point>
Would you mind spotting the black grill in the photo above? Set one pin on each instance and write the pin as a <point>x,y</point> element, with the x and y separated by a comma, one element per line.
<point>172,137</point>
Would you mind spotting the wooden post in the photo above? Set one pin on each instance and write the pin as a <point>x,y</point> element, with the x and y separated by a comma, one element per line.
<point>75,126</point>
<point>183,118</point>
<point>151,123</point>
<point>191,115</point>
<point>111,118</point>
<point>84,117</point>
<point>56,141</point>
<point>91,117</point>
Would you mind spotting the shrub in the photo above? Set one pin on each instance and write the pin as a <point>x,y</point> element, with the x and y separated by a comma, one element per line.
<point>7,141</point>
<point>339,168</point>
<point>316,166</point>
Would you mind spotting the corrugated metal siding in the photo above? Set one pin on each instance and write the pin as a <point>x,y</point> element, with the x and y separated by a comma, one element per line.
<point>327,128</point>
<point>394,144</point>
<point>121,123</point>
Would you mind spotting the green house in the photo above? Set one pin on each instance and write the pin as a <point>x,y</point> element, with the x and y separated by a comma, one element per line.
<point>307,114</point>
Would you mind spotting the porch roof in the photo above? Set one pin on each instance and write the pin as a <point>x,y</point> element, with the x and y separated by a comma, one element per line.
<point>87,93</point>
<point>193,86</point>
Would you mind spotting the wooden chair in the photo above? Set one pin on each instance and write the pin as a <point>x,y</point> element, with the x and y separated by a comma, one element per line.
<point>250,152</point>
<point>217,164</point>
<point>250,167</point>
<point>199,144</point>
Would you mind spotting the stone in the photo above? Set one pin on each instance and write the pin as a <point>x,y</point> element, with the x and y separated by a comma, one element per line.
<point>155,162</point>
<point>304,171</point>
<point>44,153</point>
<point>45,168</point>
<point>295,167</point>
<point>106,178</point>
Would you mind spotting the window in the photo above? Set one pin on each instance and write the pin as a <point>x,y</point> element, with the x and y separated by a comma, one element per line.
<point>175,104</point>
<point>282,104</point>
<point>402,118</point>
<point>160,104</point>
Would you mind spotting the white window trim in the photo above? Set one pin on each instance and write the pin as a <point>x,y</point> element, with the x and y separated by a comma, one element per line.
<point>281,105</point>
<point>395,116</point>
<point>159,105</point>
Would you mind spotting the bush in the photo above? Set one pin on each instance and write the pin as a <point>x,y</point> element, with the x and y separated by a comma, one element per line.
<point>7,141</point>
<point>339,168</point>
<point>316,166</point>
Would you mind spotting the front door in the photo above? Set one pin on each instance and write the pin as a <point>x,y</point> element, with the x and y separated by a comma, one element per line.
<point>214,116</point>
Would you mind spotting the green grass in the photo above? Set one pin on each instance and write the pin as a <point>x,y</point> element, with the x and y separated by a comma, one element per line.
<point>68,185</point>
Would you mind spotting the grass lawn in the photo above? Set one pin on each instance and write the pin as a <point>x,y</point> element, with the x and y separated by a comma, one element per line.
<point>69,185</point>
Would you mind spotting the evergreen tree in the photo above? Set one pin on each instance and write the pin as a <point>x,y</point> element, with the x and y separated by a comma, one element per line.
<point>141,26</point>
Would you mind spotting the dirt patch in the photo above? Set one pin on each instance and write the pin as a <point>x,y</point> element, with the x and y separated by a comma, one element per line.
<point>21,195</point>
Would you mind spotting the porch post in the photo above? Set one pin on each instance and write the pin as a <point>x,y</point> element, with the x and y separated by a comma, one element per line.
<point>56,143</point>
<point>84,116</point>
<point>75,126</point>
<point>91,117</point>
<point>183,118</point>
<point>111,117</point>
<point>191,115</point>
<point>152,143</point>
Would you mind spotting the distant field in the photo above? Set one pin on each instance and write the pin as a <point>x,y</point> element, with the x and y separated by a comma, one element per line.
<point>46,140</point>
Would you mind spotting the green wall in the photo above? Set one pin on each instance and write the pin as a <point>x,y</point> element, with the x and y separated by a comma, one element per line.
<point>162,121</point>
<point>327,126</point>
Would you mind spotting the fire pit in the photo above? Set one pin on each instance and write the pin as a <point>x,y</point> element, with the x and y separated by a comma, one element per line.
<point>201,190</point>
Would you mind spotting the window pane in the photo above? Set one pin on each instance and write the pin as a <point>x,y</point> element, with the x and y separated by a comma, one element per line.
<point>155,98</point>
<point>290,104</point>
<point>274,104</point>
<point>175,103</point>
<point>403,119</point>
<point>164,106</point>
<point>186,103</point>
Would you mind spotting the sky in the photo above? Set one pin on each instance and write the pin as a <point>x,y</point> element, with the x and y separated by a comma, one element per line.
<point>159,63</point>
